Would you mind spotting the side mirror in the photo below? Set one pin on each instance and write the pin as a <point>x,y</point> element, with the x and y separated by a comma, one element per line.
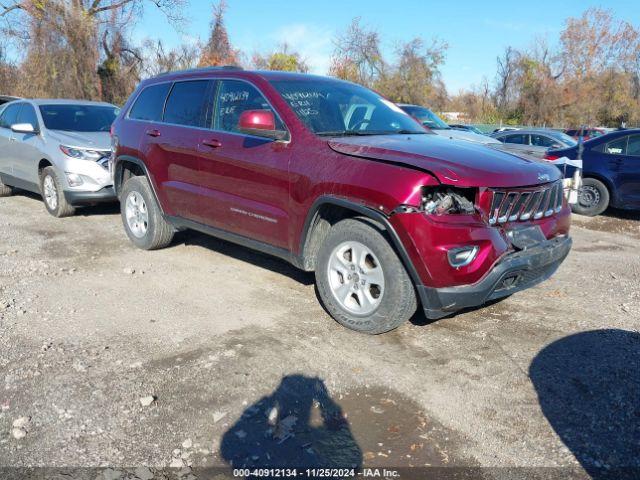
<point>23,128</point>
<point>261,123</point>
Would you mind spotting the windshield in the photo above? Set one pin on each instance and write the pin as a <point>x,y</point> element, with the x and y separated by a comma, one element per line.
<point>78,118</point>
<point>334,108</point>
<point>426,117</point>
<point>564,138</point>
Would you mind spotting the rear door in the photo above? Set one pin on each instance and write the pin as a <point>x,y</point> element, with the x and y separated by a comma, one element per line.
<point>28,146</point>
<point>170,146</point>
<point>244,178</point>
<point>629,173</point>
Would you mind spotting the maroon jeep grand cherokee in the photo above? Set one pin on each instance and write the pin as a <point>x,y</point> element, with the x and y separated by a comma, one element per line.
<point>335,179</point>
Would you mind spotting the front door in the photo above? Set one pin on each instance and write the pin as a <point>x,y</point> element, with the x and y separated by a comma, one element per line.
<point>28,147</point>
<point>7,142</point>
<point>244,178</point>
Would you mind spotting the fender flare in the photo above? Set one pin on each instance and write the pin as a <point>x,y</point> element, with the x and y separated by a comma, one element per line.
<point>365,211</point>
<point>117,176</point>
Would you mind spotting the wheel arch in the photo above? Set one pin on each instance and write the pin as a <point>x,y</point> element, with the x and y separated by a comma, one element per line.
<point>42,164</point>
<point>326,211</point>
<point>126,167</point>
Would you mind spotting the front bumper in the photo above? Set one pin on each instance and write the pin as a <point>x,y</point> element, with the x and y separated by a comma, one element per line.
<point>78,197</point>
<point>513,273</point>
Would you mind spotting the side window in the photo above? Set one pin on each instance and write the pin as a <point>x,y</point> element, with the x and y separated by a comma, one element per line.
<point>233,98</point>
<point>633,147</point>
<point>10,115</point>
<point>518,139</point>
<point>150,103</point>
<point>187,103</point>
<point>542,141</point>
<point>617,147</point>
<point>28,115</point>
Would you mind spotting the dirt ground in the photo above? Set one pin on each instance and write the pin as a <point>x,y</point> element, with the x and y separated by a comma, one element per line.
<point>206,354</point>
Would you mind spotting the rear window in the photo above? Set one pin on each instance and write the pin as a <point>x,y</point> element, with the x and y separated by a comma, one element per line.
<point>633,147</point>
<point>187,103</point>
<point>150,103</point>
<point>518,139</point>
<point>78,118</point>
<point>617,147</point>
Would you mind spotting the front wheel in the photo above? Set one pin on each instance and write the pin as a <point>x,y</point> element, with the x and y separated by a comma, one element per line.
<point>142,217</point>
<point>5,190</point>
<point>593,198</point>
<point>361,281</point>
<point>53,195</point>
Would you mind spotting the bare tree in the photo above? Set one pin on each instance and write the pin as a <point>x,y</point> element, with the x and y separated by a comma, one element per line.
<point>65,41</point>
<point>218,50</point>
<point>414,77</point>
<point>283,58</point>
<point>357,55</point>
<point>158,59</point>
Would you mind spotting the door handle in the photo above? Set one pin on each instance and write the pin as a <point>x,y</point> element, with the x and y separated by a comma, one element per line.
<point>153,132</point>
<point>212,143</point>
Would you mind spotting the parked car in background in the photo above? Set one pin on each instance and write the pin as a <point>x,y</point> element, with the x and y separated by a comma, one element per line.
<point>6,99</point>
<point>611,172</point>
<point>59,149</point>
<point>430,120</point>
<point>587,133</point>
<point>534,142</point>
<point>335,179</point>
<point>466,128</point>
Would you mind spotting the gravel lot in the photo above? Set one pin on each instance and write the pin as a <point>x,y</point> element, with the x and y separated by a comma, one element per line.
<point>208,354</point>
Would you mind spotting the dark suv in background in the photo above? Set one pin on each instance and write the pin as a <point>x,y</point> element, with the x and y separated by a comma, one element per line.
<point>335,179</point>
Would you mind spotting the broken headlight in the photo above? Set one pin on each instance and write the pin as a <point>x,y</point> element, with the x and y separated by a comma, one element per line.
<point>449,200</point>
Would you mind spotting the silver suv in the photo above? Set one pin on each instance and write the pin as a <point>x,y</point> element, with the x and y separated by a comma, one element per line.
<point>59,149</point>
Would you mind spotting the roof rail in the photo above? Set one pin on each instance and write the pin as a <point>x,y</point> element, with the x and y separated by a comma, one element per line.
<point>202,69</point>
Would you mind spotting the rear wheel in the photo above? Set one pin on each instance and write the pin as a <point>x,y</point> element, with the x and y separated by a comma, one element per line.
<point>53,195</point>
<point>361,281</point>
<point>142,217</point>
<point>593,198</point>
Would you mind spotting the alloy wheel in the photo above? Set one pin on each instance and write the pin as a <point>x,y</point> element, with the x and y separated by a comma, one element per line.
<point>50,192</point>
<point>356,278</point>
<point>137,214</point>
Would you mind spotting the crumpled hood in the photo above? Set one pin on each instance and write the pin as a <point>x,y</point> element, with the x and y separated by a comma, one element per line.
<point>454,134</point>
<point>95,140</point>
<point>462,164</point>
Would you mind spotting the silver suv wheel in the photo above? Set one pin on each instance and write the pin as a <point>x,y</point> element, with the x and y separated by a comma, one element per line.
<point>137,214</point>
<point>356,278</point>
<point>50,192</point>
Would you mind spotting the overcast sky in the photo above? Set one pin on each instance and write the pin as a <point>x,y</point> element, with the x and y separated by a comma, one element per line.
<point>476,31</point>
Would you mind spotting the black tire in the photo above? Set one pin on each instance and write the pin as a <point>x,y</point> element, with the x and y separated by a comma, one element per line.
<point>593,198</point>
<point>61,208</point>
<point>398,298</point>
<point>158,233</point>
<point>5,190</point>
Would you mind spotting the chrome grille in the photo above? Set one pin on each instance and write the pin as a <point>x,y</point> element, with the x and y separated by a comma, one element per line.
<point>526,204</point>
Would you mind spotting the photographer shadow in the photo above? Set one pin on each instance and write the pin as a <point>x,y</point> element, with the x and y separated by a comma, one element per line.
<point>588,385</point>
<point>297,426</point>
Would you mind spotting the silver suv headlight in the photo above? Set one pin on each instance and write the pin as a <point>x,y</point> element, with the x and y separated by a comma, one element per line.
<point>82,153</point>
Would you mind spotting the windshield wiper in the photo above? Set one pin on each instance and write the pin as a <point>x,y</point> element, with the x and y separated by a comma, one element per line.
<point>364,133</point>
<point>343,133</point>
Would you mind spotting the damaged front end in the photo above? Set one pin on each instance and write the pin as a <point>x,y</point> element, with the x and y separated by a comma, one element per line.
<point>448,200</point>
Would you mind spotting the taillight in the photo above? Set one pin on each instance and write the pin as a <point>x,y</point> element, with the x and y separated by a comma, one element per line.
<point>551,156</point>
